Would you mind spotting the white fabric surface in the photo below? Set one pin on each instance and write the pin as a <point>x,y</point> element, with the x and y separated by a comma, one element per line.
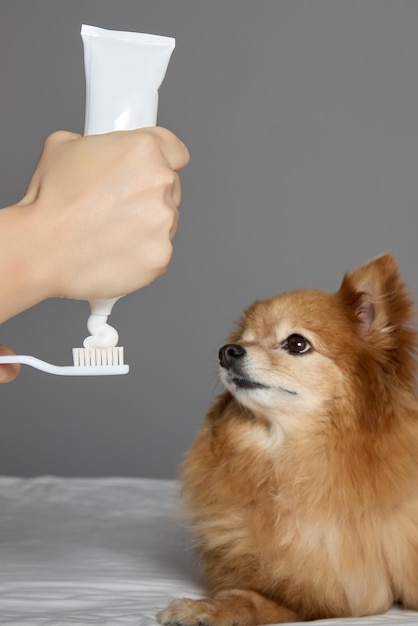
<point>99,551</point>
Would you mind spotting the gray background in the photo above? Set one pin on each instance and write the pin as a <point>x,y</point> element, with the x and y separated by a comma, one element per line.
<point>301,119</point>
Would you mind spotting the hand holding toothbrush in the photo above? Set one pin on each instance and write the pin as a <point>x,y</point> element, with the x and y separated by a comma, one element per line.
<point>97,219</point>
<point>8,371</point>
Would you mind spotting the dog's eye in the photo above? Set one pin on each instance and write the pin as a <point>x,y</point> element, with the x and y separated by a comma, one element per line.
<point>296,344</point>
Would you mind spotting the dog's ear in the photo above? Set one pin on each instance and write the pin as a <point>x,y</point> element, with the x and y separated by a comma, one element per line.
<point>377,295</point>
<point>383,310</point>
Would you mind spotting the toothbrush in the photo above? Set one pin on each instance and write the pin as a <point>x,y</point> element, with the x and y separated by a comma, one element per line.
<point>123,73</point>
<point>69,370</point>
<point>88,361</point>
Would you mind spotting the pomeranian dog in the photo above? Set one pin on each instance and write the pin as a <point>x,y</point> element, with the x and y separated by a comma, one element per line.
<point>302,486</point>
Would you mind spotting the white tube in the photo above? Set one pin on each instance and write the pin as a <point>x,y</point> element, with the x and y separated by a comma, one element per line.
<point>123,74</point>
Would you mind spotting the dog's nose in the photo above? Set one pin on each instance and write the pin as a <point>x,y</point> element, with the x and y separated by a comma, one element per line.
<point>230,353</point>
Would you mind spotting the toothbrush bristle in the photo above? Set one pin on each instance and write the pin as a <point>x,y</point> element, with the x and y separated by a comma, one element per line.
<point>86,357</point>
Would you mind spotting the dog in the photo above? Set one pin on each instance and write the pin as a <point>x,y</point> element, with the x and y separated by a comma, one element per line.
<point>302,486</point>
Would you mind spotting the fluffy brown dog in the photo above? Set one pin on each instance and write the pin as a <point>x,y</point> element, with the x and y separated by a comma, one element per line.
<point>303,485</point>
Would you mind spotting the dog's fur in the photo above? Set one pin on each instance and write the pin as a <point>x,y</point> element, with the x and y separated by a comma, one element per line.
<point>302,486</point>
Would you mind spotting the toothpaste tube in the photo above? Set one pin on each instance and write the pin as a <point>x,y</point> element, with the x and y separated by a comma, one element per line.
<point>123,73</point>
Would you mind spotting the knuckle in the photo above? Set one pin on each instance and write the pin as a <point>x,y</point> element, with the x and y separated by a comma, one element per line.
<point>60,136</point>
<point>167,178</point>
<point>169,215</point>
<point>162,256</point>
<point>163,180</point>
<point>174,147</point>
<point>184,155</point>
<point>147,141</point>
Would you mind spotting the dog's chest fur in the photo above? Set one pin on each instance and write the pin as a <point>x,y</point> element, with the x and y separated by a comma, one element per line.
<point>292,523</point>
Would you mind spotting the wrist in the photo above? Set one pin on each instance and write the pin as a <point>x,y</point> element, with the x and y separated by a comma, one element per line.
<point>24,279</point>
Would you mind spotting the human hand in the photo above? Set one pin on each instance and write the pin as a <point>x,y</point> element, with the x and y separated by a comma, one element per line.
<point>8,371</point>
<point>100,212</point>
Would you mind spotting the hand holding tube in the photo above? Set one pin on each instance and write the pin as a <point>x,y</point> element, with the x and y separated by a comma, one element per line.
<point>97,220</point>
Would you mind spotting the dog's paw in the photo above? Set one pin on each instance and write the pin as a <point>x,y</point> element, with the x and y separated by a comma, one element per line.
<point>186,612</point>
<point>232,607</point>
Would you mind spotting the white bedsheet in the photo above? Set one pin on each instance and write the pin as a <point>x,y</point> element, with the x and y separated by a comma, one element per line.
<point>99,551</point>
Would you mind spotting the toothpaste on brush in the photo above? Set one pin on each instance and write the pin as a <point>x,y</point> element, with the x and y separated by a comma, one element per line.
<point>123,73</point>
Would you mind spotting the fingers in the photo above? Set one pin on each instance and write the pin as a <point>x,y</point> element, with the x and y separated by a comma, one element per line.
<point>176,191</point>
<point>8,371</point>
<point>173,149</point>
<point>174,226</point>
<point>177,157</point>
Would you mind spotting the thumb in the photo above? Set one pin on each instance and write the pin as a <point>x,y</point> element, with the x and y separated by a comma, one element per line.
<point>8,371</point>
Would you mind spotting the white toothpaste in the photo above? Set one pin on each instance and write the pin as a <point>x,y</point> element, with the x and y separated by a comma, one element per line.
<point>123,73</point>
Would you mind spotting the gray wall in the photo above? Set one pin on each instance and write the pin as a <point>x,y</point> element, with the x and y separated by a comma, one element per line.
<point>302,121</point>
